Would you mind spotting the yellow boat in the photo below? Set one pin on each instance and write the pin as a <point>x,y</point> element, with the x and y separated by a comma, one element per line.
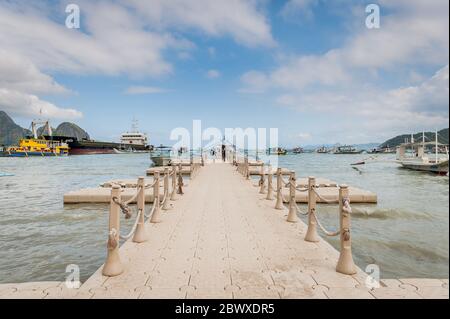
<point>37,147</point>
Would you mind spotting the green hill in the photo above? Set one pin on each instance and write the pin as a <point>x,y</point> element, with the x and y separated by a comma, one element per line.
<point>10,132</point>
<point>429,136</point>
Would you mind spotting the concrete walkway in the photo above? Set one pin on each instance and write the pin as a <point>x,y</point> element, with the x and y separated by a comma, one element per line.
<point>224,240</point>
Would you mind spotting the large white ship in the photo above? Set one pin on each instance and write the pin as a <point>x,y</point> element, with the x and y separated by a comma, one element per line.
<point>133,141</point>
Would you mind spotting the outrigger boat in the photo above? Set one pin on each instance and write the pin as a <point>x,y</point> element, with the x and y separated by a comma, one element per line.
<point>278,151</point>
<point>347,149</point>
<point>322,150</point>
<point>34,146</point>
<point>417,158</point>
<point>298,150</point>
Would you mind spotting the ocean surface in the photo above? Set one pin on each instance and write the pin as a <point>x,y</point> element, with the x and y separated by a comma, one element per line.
<point>406,234</point>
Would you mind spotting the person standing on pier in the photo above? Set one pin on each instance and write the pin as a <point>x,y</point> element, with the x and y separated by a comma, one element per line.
<point>223,152</point>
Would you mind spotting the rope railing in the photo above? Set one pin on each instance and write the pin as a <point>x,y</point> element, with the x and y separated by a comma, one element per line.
<point>113,265</point>
<point>345,263</point>
<point>171,188</point>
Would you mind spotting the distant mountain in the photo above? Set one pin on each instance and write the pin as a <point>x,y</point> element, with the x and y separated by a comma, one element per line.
<point>10,132</point>
<point>429,136</point>
<point>71,130</point>
<point>366,146</point>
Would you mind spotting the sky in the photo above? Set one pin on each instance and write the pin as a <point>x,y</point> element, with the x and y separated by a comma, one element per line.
<point>311,68</point>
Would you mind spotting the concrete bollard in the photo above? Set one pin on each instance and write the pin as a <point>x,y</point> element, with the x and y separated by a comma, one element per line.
<point>166,205</point>
<point>262,180</point>
<point>345,263</point>
<point>113,265</point>
<point>311,234</point>
<point>140,234</point>
<point>279,203</point>
<point>180,180</point>
<point>173,195</point>
<point>292,215</point>
<point>269,183</point>
<point>156,216</point>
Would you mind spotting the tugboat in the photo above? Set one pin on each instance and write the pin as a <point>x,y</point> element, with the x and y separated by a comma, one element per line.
<point>34,146</point>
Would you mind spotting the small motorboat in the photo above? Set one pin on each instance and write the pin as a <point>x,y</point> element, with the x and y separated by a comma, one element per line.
<point>161,156</point>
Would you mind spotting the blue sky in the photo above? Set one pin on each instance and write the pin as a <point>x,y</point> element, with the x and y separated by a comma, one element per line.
<point>311,68</point>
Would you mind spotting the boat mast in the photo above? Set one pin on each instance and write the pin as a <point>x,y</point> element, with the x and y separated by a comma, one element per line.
<point>437,150</point>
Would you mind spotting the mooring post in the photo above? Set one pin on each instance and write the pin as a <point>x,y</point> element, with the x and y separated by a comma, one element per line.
<point>345,263</point>
<point>279,203</point>
<point>156,216</point>
<point>113,265</point>
<point>173,194</point>
<point>269,183</point>
<point>292,215</point>
<point>311,234</point>
<point>262,180</point>
<point>140,235</point>
<point>180,180</point>
<point>166,205</point>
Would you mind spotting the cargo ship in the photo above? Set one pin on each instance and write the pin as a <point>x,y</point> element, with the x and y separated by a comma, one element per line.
<point>130,142</point>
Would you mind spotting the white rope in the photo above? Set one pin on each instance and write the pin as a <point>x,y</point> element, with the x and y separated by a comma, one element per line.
<point>134,196</point>
<point>328,201</point>
<point>346,206</point>
<point>150,185</point>
<point>152,210</point>
<point>301,189</point>
<point>136,222</point>
<point>300,212</point>
<point>328,233</point>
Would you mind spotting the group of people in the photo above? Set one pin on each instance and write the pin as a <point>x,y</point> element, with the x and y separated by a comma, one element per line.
<point>213,152</point>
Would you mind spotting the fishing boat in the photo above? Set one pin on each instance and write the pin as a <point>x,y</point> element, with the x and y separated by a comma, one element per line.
<point>278,151</point>
<point>413,156</point>
<point>346,149</point>
<point>34,146</point>
<point>322,150</point>
<point>298,150</point>
<point>161,156</point>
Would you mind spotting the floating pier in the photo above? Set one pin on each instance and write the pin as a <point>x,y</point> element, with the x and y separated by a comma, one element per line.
<point>224,238</point>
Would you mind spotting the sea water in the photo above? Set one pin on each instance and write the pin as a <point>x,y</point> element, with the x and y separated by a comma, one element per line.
<point>406,234</point>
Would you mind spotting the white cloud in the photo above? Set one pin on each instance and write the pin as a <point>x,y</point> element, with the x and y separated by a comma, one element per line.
<point>414,34</point>
<point>213,74</point>
<point>20,80</point>
<point>374,111</point>
<point>240,19</point>
<point>133,90</point>
<point>298,9</point>
<point>18,103</point>
<point>18,73</point>
<point>304,136</point>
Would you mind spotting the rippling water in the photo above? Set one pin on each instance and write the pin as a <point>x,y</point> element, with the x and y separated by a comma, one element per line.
<point>406,233</point>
